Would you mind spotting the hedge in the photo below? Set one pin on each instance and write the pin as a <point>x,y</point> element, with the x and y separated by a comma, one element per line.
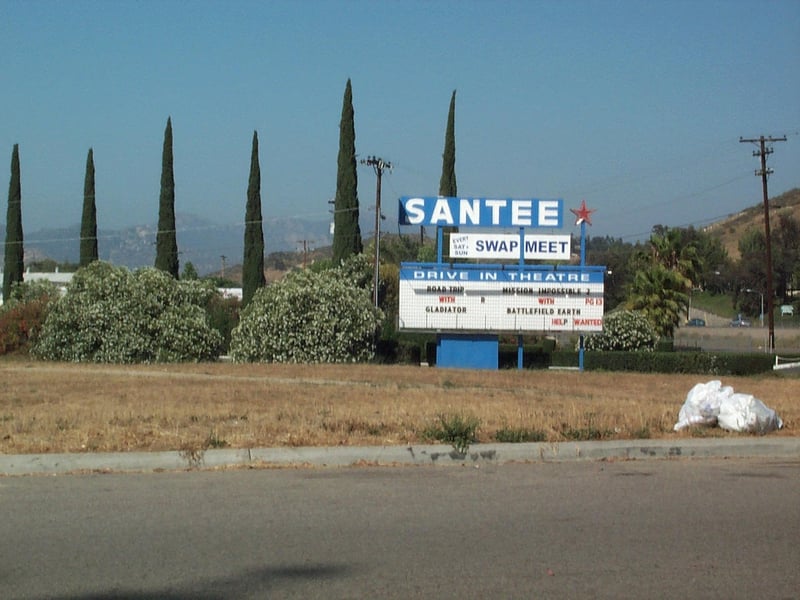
<point>706,363</point>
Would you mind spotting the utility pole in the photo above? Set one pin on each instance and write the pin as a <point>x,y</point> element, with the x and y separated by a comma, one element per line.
<point>305,250</point>
<point>379,165</point>
<point>762,152</point>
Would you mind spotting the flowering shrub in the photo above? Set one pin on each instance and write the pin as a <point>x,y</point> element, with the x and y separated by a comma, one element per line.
<point>21,317</point>
<point>112,315</point>
<point>309,317</point>
<point>624,330</point>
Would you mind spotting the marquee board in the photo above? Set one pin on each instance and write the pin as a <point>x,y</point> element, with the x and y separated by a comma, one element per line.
<point>494,298</point>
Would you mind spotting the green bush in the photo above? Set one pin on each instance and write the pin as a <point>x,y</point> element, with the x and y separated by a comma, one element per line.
<point>112,315</point>
<point>309,317</point>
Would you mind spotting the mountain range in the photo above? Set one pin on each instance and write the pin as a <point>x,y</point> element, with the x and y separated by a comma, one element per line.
<point>212,247</point>
<point>207,245</point>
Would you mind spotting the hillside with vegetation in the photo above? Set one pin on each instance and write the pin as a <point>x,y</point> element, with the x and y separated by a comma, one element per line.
<point>731,229</point>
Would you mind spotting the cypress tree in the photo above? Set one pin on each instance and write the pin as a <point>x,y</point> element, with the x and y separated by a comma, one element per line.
<point>89,216</point>
<point>13,265</point>
<point>166,241</point>
<point>346,230</point>
<point>253,263</point>
<point>447,183</point>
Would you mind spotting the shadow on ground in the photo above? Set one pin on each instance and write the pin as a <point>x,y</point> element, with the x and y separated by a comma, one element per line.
<point>245,584</point>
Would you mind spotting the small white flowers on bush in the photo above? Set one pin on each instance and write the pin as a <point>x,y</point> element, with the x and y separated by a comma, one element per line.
<point>625,330</point>
<point>112,315</point>
<point>309,318</point>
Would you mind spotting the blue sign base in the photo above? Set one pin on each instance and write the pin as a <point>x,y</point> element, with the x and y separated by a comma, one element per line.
<point>466,351</point>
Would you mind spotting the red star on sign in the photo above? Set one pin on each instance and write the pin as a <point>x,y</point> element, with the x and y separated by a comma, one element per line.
<point>583,213</point>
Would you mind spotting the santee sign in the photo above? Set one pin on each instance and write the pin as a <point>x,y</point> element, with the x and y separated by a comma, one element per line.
<point>494,246</point>
<point>492,298</point>
<point>480,212</point>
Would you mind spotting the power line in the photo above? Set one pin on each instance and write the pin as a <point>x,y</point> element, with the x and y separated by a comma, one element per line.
<point>762,152</point>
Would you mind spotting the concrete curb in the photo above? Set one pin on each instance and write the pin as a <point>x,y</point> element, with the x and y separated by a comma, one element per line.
<point>434,455</point>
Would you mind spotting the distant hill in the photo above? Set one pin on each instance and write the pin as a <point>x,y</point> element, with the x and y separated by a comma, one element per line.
<point>277,264</point>
<point>201,242</point>
<point>731,229</point>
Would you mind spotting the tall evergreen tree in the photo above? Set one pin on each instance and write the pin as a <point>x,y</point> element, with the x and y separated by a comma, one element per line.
<point>166,239</point>
<point>253,263</point>
<point>89,216</point>
<point>346,230</point>
<point>13,265</point>
<point>447,183</point>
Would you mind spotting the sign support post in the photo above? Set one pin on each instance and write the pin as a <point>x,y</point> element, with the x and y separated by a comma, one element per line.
<point>583,264</point>
<point>584,216</point>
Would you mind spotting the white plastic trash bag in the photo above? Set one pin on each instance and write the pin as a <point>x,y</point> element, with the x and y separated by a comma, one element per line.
<point>702,405</point>
<point>711,403</point>
<point>743,412</point>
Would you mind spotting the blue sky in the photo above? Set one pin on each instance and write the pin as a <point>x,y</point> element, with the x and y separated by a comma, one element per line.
<point>635,106</point>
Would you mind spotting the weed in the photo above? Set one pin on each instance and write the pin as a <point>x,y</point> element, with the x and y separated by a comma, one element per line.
<point>456,429</point>
<point>214,441</point>
<point>586,433</point>
<point>516,435</point>
<point>63,423</point>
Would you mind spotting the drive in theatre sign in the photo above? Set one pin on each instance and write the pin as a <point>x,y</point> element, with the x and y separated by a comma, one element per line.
<point>493,297</point>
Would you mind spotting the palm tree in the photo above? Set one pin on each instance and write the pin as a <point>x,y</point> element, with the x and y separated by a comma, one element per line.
<point>661,295</point>
<point>669,248</point>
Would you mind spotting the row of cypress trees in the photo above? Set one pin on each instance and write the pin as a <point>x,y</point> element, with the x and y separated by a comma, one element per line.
<point>166,239</point>
<point>13,266</point>
<point>347,233</point>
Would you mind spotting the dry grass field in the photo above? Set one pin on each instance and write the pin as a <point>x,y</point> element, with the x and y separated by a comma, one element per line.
<point>49,407</point>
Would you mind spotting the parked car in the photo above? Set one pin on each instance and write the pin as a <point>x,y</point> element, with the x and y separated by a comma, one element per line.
<point>740,322</point>
<point>696,323</point>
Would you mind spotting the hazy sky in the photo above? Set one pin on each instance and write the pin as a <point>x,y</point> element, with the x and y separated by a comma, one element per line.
<point>635,106</point>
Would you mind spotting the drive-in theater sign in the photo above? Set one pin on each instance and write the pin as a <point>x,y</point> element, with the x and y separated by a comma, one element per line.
<point>469,304</point>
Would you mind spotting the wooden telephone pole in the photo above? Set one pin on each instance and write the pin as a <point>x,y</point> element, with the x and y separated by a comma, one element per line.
<point>762,152</point>
<point>379,165</point>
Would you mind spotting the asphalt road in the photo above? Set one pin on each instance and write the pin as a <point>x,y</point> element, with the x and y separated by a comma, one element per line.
<point>654,529</point>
